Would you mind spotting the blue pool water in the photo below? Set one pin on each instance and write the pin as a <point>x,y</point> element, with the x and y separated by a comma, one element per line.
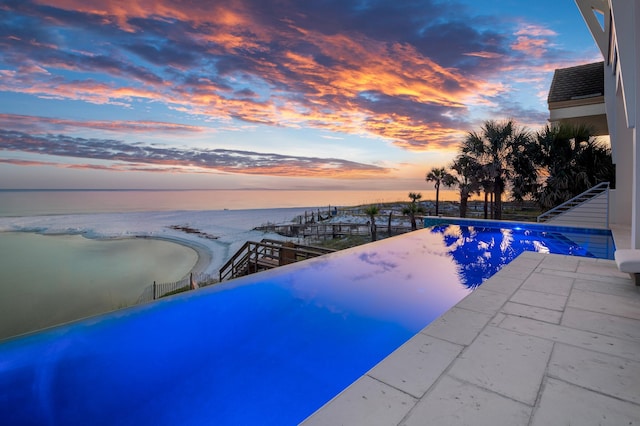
<point>480,248</point>
<point>270,348</point>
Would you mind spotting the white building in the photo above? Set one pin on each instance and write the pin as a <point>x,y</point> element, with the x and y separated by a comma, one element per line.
<point>614,26</point>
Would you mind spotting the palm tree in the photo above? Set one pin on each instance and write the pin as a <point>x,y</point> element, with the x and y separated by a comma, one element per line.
<point>496,147</point>
<point>573,161</point>
<point>372,211</point>
<point>437,174</point>
<point>467,179</point>
<point>413,208</point>
<point>415,197</point>
<point>487,187</point>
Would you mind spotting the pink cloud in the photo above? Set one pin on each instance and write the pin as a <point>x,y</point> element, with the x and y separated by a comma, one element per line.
<point>47,124</point>
<point>535,31</point>
<point>531,46</point>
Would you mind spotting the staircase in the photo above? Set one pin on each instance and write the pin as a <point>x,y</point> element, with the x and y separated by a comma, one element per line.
<point>587,210</point>
<point>254,257</point>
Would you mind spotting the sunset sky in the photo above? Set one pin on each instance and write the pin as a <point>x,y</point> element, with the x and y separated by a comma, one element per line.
<point>318,94</point>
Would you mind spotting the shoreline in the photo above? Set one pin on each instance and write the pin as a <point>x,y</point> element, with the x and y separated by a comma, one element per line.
<point>231,228</point>
<point>205,256</point>
<point>203,253</point>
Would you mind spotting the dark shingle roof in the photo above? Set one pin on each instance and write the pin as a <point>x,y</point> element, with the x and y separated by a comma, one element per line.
<point>583,81</point>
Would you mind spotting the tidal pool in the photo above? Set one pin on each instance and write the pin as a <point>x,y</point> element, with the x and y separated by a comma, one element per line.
<point>52,279</point>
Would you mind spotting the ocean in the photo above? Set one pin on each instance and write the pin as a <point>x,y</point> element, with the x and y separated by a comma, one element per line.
<point>52,279</point>
<point>48,202</point>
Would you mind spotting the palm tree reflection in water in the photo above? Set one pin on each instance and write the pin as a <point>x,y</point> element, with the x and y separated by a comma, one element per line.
<point>480,252</point>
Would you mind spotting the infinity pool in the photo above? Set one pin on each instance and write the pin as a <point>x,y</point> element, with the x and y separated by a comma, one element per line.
<point>270,348</point>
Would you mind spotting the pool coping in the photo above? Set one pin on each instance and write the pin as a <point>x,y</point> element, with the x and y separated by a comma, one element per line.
<point>510,224</point>
<point>574,322</point>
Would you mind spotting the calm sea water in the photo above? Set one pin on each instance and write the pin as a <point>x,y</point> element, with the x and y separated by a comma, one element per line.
<point>31,203</point>
<point>47,280</point>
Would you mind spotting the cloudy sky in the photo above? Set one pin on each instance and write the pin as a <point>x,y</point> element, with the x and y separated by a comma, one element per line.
<point>352,94</point>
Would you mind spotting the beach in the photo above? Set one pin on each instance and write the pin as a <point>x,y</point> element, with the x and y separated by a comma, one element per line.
<point>222,232</point>
<point>213,237</point>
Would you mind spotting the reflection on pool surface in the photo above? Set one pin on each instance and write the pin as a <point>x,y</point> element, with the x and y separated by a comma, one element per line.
<point>481,248</point>
<point>270,348</point>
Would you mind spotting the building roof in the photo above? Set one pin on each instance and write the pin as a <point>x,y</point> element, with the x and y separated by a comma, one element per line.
<point>580,82</point>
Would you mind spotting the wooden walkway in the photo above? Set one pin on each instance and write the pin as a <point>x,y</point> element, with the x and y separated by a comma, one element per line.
<point>267,254</point>
<point>323,231</point>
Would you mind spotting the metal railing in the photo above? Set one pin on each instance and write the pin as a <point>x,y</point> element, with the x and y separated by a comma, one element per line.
<point>583,208</point>
<point>158,290</point>
<point>267,254</point>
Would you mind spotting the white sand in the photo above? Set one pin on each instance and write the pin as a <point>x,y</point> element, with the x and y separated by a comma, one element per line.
<point>231,227</point>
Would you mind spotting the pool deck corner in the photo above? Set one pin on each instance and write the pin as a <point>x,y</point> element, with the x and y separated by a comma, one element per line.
<point>549,339</point>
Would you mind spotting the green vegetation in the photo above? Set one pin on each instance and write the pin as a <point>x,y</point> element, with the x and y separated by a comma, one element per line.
<point>344,242</point>
<point>572,161</point>
<point>499,153</point>
<point>437,175</point>
<point>372,211</point>
<point>526,211</point>
<point>176,291</point>
<point>548,167</point>
<point>412,209</point>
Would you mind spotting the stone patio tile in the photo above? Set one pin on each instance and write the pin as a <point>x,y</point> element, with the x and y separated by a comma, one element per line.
<point>585,339</point>
<point>533,312</point>
<point>526,261</point>
<point>602,373</point>
<point>497,319</point>
<point>557,262</point>
<point>602,260</point>
<point>624,289</point>
<point>605,269</point>
<point>453,402</point>
<point>624,328</point>
<point>500,284</point>
<point>517,270</point>
<point>484,301</point>
<point>505,362</point>
<point>540,299</point>
<point>564,404</point>
<point>605,303</point>
<point>365,402</point>
<point>458,325</point>
<point>582,276</point>
<point>532,255</point>
<point>605,279</point>
<point>416,365</point>
<point>593,259</point>
<point>546,283</point>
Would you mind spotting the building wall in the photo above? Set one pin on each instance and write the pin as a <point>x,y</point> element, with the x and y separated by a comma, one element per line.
<point>635,237</point>
<point>622,144</point>
<point>619,43</point>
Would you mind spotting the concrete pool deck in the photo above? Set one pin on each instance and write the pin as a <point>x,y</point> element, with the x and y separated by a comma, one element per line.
<point>548,340</point>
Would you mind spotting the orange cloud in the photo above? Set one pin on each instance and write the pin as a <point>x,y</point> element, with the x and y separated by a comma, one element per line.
<point>485,55</point>
<point>320,95</point>
<point>531,46</point>
<point>247,60</point>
